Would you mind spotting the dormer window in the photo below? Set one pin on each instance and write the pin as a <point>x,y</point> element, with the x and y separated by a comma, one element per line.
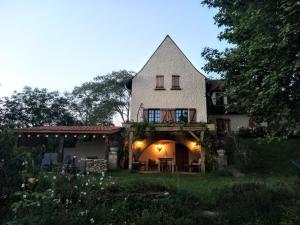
<point>175,82</point>
<point>160,82</point>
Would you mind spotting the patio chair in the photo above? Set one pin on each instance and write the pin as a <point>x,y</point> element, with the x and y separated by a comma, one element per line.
<point>152,165</point>
<point>296,163</point>
<point>49,160</point>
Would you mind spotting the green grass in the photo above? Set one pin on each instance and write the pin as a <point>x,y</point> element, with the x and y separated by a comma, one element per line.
<point>206,187</point>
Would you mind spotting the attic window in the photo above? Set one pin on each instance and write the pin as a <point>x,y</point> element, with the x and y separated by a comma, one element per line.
<point>159,82</point>
<point>175,82</point>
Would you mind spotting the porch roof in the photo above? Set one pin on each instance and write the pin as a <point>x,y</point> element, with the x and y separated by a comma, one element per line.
<point>70,130</point>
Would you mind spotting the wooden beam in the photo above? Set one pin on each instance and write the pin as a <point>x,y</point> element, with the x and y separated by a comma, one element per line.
<point>202,135</point>
<point>61,148</point>
<point>130,150</point>
<point>194,135</point>
<point>202,153</point>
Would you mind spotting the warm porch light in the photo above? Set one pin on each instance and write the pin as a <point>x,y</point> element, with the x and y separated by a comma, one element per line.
<point>194,145</point>
<point>159,147</point>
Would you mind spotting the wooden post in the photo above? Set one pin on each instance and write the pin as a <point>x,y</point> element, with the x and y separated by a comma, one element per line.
<point>202,153</point>
<point>61,148</point>
<point>130,150</point>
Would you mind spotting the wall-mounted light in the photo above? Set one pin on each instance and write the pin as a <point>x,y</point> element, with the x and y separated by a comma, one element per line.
<point>159,147</point>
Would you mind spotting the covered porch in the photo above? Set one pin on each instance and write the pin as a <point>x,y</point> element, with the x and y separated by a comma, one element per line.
<point>167,148</point>
<point>84,148</point>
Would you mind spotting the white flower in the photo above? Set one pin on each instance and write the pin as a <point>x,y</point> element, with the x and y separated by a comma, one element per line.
<point>38,204</point>
<point>23,185</point>
<point>103,174</point>
<point>102,188</point>
<point>86,184</point>
<point>54,177</point>
<point>24,196</point>
<point>87,173</point>
<point>75,186</point>
<point>166,193</point>
<point>77,174</point>
<point>92,220</point>
<point>101,178</point>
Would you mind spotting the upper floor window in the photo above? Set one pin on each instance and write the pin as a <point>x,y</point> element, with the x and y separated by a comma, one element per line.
<point>159,82</point>
<point>153,115</point>
<point>181,115</point>
<point>175,82</point>
<point>218,98</point>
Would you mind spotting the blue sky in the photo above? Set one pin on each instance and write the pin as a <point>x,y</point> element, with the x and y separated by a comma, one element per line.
<point>58,44</point>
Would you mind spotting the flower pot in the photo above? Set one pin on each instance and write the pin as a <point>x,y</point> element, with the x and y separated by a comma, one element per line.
<point>221,152</point>
<point>114,149</point>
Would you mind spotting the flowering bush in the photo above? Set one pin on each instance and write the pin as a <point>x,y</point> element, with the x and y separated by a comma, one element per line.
<point>99,199</point>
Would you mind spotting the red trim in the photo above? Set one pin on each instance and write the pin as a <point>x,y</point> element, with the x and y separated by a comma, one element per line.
<point>71,130</point>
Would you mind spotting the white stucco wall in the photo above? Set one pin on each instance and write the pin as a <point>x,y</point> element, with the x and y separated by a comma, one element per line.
<point>236,121</point>
<point>87,149</point>
<point>168,60</point>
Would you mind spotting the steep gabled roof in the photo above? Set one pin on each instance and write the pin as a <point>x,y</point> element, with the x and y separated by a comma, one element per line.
<point>161,44</point>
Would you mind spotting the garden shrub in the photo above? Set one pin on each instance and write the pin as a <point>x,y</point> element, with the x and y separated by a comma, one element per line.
<point>254,203</point>
<point>80,199</point>
<point>259,156</point>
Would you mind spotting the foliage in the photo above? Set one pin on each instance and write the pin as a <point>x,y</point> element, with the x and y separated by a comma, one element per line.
<point>259,156</point>
<point>140,128</point>
<point>254,203</point>
<point>261,68</point>
<point>96,102</point>
<point>35,107</point>
<point>122,197</point>
<point>83,199</point>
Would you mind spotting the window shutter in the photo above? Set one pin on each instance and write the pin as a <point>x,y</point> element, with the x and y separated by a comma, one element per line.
<point>163,116</point>
<point>172,115</point>
<point>159,81</point>
<point>145,115</point>
<point>192,113</point>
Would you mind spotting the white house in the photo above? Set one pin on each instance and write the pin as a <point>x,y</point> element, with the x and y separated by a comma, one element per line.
<point>179,102</point>
<point>168,88</point>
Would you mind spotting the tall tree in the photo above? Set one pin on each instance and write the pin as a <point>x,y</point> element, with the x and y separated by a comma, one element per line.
<point>262,68</point>
<point>35,107</point>
<point>98,101</point>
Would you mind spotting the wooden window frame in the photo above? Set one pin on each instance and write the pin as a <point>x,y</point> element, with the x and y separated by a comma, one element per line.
<point>160,80</point>
<point>180,112</point>
<point>154,115</point>
<point>175,82</point>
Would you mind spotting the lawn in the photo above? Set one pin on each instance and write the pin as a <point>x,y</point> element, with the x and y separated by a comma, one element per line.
<point>205,186</point>
<point>124,197</point>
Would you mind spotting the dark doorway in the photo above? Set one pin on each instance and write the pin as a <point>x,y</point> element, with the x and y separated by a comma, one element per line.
<point>182,157</point>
